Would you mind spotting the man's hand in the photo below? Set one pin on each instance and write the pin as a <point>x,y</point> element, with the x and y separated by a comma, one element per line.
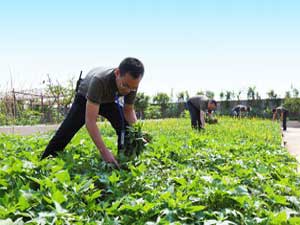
<point>109,157</point>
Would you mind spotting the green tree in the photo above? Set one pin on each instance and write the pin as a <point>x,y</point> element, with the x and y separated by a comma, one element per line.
<point>257,96</point>
<point>272,99</point>
<point>272,95</point>
<point>153,112</point>
<point>141,103</point>
<point>182,96</point>
<point>238,95</point>
<point>209,94</point>
<point>229,95</point>
<point>287,94</point>
<point>293,105</point>
<point>251,93</point>
<point>162,99</point>
<point>222,95</point>
<point>295,93</point>
<point>62,95</point>
<point>200,92</point>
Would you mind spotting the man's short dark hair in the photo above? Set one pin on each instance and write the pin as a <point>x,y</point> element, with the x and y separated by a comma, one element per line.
<point>132,66</point>
<point>273,110</point>
<point>212,101</point>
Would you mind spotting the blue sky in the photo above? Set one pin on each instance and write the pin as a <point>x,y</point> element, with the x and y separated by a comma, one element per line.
<point>185,45</point>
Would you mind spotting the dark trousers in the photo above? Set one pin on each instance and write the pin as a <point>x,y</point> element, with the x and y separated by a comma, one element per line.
<point>195,116</point>
<point>235,113</point>
<point>75,119</point>
<point>284,120</point>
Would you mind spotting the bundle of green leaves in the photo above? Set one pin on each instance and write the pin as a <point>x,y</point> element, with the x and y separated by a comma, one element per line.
<point>135,142</point>
<point>211,120</point>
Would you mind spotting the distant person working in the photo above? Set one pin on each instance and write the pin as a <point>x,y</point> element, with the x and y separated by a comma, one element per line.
<point>198,105</point>
<point>282,113</point>
<point>240,110</point>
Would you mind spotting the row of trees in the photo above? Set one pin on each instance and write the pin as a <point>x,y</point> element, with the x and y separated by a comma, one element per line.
<point>161,105</point>
<point>253,94</point>
<point>53,104</point>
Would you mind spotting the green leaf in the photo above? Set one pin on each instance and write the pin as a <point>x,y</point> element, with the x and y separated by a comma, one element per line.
<point>133,208</point>
<point>115,205</point>
<point>58,197</point>
<point>165,196</point>
<point>34,179</point>
<point>114,178</point>
<point>63,176</point>
<point>147,206</point>
<point>280,218</point>
<point>95,195</point>
<point>280,200</point>
<point>294,221</point>
<point>180,180</point>
<point>23,203</point>
<point>196,208</point>
<point>85,185</point>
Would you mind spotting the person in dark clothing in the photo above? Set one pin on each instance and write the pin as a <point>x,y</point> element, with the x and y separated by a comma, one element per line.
<point>198,105</point>
<point>282,113</point>
<point>240,110</point>
<point>98,93</point>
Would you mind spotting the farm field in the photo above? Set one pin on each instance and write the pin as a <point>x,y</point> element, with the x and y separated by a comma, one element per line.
<point>234,172</point>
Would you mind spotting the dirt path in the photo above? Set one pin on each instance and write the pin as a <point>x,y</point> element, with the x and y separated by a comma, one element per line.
<point>28,130</point>
<point>291,137</point>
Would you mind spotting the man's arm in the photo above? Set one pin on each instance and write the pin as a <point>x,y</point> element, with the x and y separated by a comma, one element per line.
<point>91,115</point>
<point>129,114</point>
<point>202,119</point>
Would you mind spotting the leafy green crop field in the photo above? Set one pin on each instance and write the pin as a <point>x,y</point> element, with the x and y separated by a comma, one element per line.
<point>234,172</point>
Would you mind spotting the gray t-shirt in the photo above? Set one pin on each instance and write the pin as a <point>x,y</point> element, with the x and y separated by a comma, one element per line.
<point>280,109</point>
<point>99,86</point>
<point>199,101</point>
